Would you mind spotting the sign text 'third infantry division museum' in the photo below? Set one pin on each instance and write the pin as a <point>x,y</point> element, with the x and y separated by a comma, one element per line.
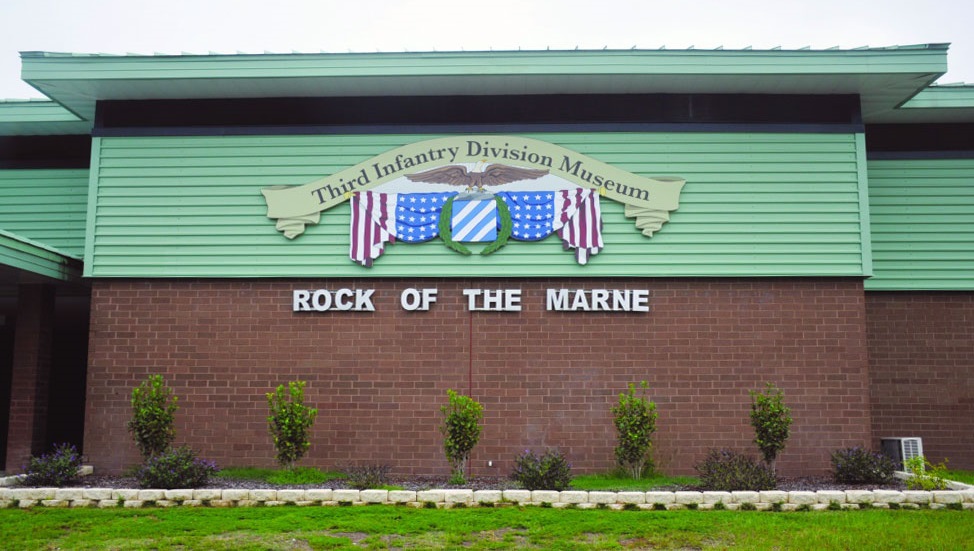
<point>536,229</point>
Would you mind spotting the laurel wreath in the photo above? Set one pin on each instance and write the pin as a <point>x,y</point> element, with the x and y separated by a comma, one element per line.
<point>505,232</point>
<point>446,231</point>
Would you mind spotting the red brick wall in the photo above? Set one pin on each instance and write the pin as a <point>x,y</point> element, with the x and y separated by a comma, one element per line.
<point>30,376</point>
<point>545,378</point>
<point>921,350</point>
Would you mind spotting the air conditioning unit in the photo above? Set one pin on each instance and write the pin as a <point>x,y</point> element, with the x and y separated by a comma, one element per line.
<point>901,449</point>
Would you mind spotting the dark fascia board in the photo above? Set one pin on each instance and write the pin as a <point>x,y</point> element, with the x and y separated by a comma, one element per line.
<point>569,112</point>
<point>20,152</point>
<point>920,140</point>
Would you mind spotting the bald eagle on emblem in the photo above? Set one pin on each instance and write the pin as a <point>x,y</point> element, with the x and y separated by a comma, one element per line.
<point>493,175</point>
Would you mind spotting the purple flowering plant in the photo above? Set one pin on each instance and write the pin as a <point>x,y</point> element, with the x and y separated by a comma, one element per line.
<point>57,468</point>
<point>176,468</point>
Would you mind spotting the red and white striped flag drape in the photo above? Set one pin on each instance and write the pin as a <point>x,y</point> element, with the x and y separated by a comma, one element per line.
<point>371,226</point>
<point>581,222</point>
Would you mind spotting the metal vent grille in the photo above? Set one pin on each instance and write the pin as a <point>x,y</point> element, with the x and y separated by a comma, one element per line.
<point>902,450</point>
<point>911,448</point>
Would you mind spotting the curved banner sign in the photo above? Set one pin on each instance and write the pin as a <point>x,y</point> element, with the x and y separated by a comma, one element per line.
<point>475,189</point>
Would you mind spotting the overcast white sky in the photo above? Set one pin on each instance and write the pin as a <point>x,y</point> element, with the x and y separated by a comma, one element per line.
<point>254,26</point>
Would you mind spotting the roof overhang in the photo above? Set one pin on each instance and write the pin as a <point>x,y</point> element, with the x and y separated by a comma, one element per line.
<point>937,104</point>
<point>884,78</point>
<point>36,259</point>
<point>39,118</point>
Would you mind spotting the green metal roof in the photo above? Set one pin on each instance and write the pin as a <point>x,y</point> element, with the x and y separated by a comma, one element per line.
<point>30,256</point>
<point>884,77</point>
<point>39,117</point>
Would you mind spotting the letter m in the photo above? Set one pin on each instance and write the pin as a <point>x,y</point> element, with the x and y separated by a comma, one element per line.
<point>557,299</point>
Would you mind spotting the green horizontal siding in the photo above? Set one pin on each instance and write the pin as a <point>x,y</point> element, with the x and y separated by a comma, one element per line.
<point>754,205</point>
<point>46,205</point>
<point>922,224</point>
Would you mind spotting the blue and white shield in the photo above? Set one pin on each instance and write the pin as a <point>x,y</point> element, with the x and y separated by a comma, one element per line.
<point>474,220</point>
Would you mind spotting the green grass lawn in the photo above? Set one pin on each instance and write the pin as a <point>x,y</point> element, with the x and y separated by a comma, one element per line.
<point>298,475</point>
<point>616,483</point>
<point>382,527</point>
<point>967,477</point>
<point>603,482</point>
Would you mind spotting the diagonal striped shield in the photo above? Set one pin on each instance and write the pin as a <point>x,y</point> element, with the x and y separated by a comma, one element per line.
<point>474,220</point>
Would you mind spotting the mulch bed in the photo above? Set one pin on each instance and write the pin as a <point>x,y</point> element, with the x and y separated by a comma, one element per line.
<point>808,483</point>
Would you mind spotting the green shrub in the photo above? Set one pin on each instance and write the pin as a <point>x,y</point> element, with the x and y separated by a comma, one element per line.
<point>58,468</point>
<point>176,468</point>
<point>771,420</point>
<point>548,471</point>
<point>926,476</point>
<point>153,414</point>
<point>365,477</point>
<point>461,432</point>
<point>727,471</point>
<point>635,422</point>
<point>289,422</point>
<point>861,466</point>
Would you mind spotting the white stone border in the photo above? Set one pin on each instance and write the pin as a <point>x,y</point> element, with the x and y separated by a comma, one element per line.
<point>951,484</point>
<point>770,500</point>
<point>14,480</point>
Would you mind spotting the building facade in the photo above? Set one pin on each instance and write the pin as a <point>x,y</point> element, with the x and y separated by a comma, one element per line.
<point>381,226</point>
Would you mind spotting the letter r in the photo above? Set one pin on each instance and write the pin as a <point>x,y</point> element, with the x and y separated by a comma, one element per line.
<point>300,302</point>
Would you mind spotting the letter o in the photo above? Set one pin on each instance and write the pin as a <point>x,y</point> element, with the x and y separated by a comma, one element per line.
<point>321,300</point>
<point>410,299</point>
